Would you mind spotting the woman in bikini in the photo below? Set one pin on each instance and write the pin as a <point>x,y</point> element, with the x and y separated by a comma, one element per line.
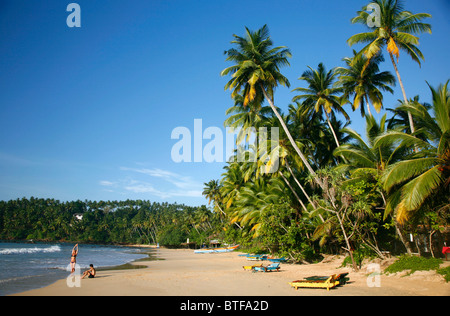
<point>73,259</point>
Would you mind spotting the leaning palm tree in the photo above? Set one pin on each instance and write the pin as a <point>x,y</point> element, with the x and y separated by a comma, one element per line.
<point>423,175</point>
<point>256,74</point>
<point>321,93</point>
<point>397,29</point>
<point>362,79</point>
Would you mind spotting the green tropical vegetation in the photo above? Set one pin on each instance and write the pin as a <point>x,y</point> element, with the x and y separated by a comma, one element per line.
<point>335,190</point>
<point>322,187</point>
<point>105,222</point>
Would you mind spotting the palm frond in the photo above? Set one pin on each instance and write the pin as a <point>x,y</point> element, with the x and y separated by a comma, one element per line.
<point>416,191</point>
<point>405,170</point>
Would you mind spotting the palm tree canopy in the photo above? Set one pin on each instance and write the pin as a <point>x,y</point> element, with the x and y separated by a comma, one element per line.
<point>257,64</point>
<point>423,174</point>
<point>362,79</point>
<point>321,93</point>
<point>211,190</point>
<point>397,29</point>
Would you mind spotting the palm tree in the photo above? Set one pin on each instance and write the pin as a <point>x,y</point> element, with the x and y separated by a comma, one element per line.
<point>363,155</point>
<point>424,175</point>
<point>316,138</point>
<point>368,160</point>
<point>362,79</point>
<point>257,74</point>
<point>396,30</point>
<point>254,198</point>
<point>212,193</point>
<point>232,181</point>
<point>321,94</point>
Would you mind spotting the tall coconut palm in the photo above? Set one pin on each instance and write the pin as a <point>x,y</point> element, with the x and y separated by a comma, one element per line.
<point>256,74</point>
<point>212,193</point>
<point>321,93</point>
<point>425,174</point>
<point>397,29</point>
<point>362,79</point>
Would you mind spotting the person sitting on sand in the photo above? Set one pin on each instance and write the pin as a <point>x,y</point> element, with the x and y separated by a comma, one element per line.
<point>90,273</point>
<point>73,259</point>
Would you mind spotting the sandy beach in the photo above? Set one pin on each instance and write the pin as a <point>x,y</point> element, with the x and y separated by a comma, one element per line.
<point>183,273</point>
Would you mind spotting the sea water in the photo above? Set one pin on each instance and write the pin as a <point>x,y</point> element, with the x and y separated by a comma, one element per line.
<point>27,266</point>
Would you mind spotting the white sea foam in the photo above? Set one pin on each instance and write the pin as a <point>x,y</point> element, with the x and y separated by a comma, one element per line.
<point>13,251</point>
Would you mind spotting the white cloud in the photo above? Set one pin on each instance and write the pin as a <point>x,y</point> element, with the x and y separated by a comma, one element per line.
<point>107,183</point>
<point>154,184</point>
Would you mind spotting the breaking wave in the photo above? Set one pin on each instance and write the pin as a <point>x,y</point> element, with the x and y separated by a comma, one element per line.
<point>14,251</point>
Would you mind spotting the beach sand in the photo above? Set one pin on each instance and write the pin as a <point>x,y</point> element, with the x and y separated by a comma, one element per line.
<point>183,273</point>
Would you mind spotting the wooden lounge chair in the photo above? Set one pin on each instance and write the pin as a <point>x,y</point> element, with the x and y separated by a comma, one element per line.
<point>252,267</point>
<point>328,284</point>
<point>340,279</point>
<point>270,267</point>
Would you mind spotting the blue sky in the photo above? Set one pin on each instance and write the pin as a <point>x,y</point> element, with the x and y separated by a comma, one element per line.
<point>87,113</point>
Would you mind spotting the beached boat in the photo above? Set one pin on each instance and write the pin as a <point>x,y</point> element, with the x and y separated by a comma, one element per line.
<point>283,259</point>
<point>257,257</point>
<point>217,250</point>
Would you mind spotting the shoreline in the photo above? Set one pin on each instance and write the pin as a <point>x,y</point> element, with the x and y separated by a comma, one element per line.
<point>183,273</point>
<point>38,279</point>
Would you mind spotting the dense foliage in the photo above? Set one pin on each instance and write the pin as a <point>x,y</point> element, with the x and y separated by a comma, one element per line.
<point>333,189</point>
<point>131,222</point>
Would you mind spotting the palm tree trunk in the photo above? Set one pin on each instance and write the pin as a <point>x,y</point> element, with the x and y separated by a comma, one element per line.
<point>301,188</point>
<point>332,129</point>
<point>291,139</point>
<point>397,228</point>
<point>347,242</point>
<point>368,105</point>
<point>298,183</point>
<point>402,239</point>
<point>410,118</point>
<point>293,191</point>
<point>239,226</point>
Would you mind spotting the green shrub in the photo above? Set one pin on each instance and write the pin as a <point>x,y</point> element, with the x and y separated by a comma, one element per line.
<point>414,264</point>
<point>445,272</point>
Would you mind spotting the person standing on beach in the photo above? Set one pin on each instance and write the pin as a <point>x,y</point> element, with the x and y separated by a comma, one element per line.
<point>73,259</point>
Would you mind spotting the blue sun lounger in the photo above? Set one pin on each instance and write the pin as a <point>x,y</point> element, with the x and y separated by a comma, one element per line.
<point>270,267</point>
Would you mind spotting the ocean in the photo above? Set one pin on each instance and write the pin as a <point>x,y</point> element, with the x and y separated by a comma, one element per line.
<point>28,266</point>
